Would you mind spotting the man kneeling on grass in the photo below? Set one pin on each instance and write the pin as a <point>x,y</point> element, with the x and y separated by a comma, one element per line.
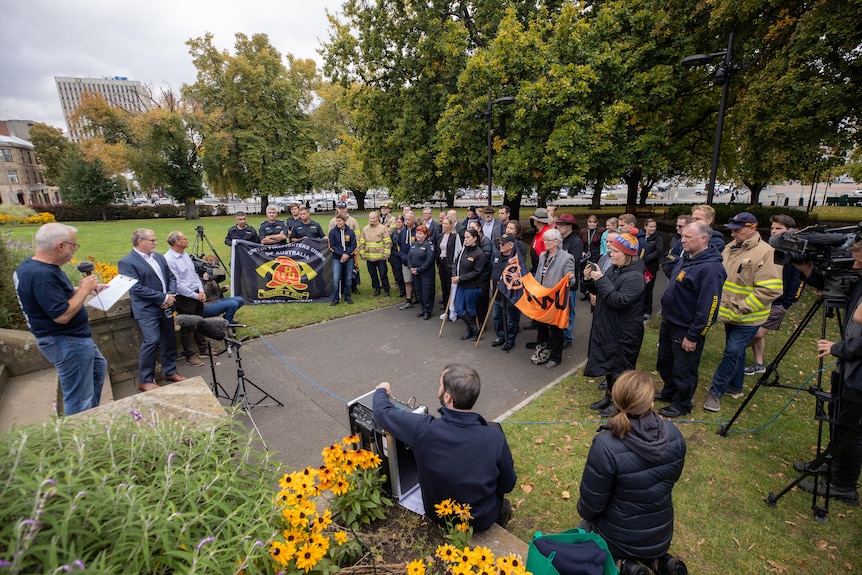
<point>460,456</point>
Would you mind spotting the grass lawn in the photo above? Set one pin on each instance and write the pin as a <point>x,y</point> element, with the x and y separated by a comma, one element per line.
<point>722,523</point>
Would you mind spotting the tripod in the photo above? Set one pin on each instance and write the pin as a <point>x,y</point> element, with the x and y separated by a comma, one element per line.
<point>218,390</point>
<point>198,247</point>
<point>240,396</point>
<point>770,377</point>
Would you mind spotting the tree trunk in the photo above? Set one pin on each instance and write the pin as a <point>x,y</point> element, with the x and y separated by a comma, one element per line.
<point>192,210</point>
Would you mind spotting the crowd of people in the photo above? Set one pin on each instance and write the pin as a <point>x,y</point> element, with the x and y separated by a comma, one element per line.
<point>634,461</point>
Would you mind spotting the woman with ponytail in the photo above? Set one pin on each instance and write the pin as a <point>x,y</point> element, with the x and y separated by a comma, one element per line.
<point>632,466</point>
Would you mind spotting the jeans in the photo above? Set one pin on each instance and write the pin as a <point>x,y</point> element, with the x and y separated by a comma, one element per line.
<point>465,301</point>
<point>573,297</point>
<point>226,306</point>
<point>81,369</point>
<point>339,269</point>
<point>377,271</point>
<point>731,370</point>
<point>677,367</point>
<point>505,310</point>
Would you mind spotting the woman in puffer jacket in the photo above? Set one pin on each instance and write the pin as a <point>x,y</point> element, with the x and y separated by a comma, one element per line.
<point>633,464</point>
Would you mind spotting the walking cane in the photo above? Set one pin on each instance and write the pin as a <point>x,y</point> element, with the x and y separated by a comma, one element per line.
<point>487,315</point>
<point>446,314</point>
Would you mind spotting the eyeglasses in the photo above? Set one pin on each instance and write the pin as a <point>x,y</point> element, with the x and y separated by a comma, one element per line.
<point>154,240</point>
<point>76,246</point>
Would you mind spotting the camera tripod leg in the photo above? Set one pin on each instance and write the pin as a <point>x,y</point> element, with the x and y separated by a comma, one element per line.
<point>218,390</point>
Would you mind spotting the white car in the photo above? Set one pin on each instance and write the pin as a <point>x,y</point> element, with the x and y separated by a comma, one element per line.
<point>855,193</point>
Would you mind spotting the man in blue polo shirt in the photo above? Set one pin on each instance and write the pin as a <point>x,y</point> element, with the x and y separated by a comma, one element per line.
<point>55,314</point>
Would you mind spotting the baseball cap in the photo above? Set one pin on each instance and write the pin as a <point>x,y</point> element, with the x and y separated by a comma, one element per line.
<point>742,220</point>
<point>341,205</point>
<point>507,238</point>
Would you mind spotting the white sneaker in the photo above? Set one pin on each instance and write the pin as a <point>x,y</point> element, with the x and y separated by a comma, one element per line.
<point>755,368</point>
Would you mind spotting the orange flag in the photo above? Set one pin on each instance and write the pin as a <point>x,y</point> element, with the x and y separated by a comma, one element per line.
<point>544,304</point>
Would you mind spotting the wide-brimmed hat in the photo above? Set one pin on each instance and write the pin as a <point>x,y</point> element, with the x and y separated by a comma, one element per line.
<point>541,215</point>
<point>566,219</point>
<point>742,220</point>
<point>488,210</point>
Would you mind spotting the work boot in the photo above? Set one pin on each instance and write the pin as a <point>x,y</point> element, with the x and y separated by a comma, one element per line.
<point>376,292</point>
<point>473,328</point>
<point>469,333</point>
<point>603,403</point>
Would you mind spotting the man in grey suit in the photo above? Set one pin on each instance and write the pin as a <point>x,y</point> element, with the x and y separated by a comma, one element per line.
<point>152,300</point>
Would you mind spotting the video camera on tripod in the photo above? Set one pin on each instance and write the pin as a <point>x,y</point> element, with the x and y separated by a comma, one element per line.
<point>204,267</point>
<point>828,249</point>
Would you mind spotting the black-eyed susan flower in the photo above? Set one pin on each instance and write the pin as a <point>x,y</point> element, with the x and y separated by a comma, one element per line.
<point>416,567</point>
<point>340,537</point>
<point>446,553</point>
<point>444,508</point>
<point>307,557</point>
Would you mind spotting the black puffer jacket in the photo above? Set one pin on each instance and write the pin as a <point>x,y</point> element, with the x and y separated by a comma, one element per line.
<point>618,329</point>
<point>627,484</point>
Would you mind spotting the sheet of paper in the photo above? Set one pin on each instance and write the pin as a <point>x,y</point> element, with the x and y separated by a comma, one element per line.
<point>106,298</point>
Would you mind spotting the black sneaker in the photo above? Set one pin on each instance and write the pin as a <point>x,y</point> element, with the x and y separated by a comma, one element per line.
<point>670,565</point>
<point>846,494</point>
<point>802,467</point>
<point>505,513</point>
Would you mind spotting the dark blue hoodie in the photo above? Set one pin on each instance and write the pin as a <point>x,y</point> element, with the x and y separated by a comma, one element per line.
<point>693,293</point>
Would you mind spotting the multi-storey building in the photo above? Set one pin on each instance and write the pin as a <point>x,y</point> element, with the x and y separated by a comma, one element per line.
<point>118,91</point>
<point>21,180</point>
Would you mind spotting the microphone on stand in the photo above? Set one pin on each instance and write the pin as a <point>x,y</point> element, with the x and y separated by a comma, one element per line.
<point>86,267</point>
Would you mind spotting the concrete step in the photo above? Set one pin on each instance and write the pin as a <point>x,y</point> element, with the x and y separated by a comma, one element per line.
<point>35,397</point>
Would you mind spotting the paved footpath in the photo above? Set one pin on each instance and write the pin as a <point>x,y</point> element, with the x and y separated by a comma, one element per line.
<point>315,370</point>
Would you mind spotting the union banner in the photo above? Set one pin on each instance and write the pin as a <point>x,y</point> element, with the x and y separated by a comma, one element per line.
<point>296,272</point>
<point>544,304</point>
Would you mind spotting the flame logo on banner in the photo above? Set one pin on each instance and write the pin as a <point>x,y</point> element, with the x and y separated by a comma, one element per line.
<point>287,276</point>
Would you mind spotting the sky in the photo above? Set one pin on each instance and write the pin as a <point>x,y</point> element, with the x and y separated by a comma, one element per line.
<point>143,41</point>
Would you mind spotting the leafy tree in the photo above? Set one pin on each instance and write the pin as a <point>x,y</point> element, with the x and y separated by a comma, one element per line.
<point>166,152</point>
<point>256,135</point>
<point>86,184</point>
<point>51,147</point>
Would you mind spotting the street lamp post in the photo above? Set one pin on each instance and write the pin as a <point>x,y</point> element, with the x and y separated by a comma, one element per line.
<point>488,116</point>
<point>725,70</point>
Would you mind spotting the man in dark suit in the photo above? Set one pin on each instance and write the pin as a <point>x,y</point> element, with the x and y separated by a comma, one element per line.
<point>152,306</point>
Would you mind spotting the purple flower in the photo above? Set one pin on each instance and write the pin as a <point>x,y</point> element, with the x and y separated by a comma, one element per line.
<point>204,541</point>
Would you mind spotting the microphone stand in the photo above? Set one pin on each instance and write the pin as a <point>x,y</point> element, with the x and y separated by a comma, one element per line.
<point>240,395</point>
<point>218,390</point>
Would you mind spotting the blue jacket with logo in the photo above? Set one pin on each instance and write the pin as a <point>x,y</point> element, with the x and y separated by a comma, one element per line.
<point>693,293</point>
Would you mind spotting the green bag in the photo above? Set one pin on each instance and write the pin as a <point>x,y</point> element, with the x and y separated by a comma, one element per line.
<point>573,552</point>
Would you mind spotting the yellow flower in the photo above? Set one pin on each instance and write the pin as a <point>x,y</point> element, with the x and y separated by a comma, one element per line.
<point>321,522</point>
<point>340,486</point>
<point>481,555</point>
<point>307,556</point>
<point>444,508</point>
<point>461,569</point>
<point>319,541</point>
<point>416,567</point>
<point>341,537</point>
<point>350,440</point>
<point>463,527</point>
<point>294,536</point>
<point>280,552</point>
<point>463,512</point>
<point>446,553</point>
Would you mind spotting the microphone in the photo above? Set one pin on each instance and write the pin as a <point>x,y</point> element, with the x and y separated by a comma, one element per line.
<point>188,320</point>
<point>86,267</point>
<point>211,327</point>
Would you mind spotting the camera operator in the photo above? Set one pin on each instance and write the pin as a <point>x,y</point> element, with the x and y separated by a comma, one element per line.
<point>216,304</point>
<point>190,294</point>
<point>846,466</point>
